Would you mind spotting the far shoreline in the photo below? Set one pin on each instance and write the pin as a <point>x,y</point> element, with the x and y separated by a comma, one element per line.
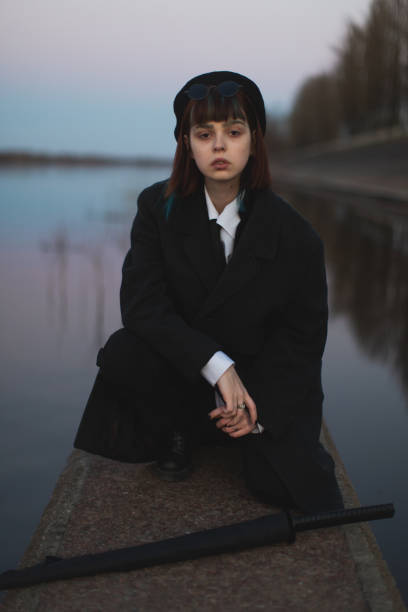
<point>28,158</point>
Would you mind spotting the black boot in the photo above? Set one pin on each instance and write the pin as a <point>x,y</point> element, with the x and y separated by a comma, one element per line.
<point>175,463</point>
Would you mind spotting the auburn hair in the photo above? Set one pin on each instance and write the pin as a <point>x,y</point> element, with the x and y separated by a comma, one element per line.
<point>186,177</point>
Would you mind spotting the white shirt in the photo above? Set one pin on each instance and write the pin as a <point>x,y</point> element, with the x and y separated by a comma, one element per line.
<point>229,220</point>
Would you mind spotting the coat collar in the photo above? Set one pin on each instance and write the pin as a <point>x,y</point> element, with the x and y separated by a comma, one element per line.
<point>259,241</point>
<point>189,218</point>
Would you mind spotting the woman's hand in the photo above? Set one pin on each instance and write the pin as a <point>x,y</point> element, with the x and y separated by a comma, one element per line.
<point>234,421</point>
<point>234,426</point>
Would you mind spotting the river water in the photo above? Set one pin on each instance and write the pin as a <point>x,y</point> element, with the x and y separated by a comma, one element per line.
<point>63,235</point>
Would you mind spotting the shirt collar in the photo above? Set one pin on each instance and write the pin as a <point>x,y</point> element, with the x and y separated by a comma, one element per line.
<point>229,218</point>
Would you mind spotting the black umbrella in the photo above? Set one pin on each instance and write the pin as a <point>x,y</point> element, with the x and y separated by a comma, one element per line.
<point>258,532</point>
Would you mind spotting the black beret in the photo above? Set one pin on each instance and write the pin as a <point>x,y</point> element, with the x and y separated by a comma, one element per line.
<point>215,78</point>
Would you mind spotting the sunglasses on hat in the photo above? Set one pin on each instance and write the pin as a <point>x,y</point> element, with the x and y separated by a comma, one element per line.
<point>226,89</point>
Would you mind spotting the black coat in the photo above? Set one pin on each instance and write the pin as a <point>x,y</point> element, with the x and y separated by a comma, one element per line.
<point>268,312</point>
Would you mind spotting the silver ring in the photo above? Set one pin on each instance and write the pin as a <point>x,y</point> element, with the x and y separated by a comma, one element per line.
<point>241,406</point>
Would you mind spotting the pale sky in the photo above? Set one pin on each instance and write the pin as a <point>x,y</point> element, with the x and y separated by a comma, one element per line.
<point>94,75</point>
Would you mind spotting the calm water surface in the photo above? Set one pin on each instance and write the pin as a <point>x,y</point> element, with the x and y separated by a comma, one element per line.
<point>63,235</point>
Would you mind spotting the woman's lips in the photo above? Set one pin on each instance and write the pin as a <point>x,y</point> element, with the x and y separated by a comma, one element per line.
<point>220,164</point>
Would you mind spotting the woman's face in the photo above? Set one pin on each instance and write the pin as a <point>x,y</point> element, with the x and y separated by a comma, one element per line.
<point>220,149</point>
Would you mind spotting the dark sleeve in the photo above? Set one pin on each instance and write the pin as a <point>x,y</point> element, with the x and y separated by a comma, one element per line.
<point>285,379</point>
<point>147,308</point>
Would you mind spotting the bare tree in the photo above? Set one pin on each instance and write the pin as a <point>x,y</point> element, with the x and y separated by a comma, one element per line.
<point>368,86</point>
<point>315,115</point>
<point>351,79</point>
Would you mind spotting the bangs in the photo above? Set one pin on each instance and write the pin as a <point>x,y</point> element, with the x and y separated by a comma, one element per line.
<point>216,107</point>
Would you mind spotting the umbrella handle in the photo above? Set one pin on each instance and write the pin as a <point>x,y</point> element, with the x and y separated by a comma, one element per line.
<point>342,517</point>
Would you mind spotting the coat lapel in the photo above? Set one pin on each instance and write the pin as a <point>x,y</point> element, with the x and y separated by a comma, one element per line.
<point>190,220</point>
<point>258,243</point>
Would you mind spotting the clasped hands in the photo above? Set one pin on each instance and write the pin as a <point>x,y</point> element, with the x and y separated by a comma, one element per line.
<point>231,420</point>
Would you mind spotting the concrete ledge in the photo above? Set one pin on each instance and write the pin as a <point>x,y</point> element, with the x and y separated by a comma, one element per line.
<point>376,581</point>
<point>100,504</point>
<point>348,186</point>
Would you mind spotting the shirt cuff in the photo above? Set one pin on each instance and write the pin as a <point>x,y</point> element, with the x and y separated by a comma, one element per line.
<point>258,429</point>
<point>215,367</point>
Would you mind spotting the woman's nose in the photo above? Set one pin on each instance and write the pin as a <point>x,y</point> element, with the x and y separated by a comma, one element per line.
<point>219,142</point>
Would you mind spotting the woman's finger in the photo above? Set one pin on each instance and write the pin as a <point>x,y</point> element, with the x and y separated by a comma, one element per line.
<point>222,424</point>
<point>236,432</point>
<point>238,423</point>
<point>241,430</point>
<point>217,412</point>
<point>231,425</point>
<point>230,422</point>
<point>251,407</point>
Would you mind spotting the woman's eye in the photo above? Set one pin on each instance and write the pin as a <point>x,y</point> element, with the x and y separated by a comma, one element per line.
<point>235,133</point>
<point>204,135</point>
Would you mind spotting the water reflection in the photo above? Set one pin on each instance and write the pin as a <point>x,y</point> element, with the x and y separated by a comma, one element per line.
<point>57,286</point>
<point>63,236</point>
<point>367,259</point>
<point>79,275</point>
<point>365,367</point>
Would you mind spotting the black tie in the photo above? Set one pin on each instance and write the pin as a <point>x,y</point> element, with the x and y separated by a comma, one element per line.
<point>218,246</point>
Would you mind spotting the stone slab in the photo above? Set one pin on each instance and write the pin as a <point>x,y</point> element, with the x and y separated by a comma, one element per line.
<point>99,504</point>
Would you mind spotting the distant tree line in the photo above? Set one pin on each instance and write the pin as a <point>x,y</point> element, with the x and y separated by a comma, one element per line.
<point>27,158</point>
<point>367,88</point>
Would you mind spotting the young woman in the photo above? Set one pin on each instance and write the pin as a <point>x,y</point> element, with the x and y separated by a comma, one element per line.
<point>224,306</point>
